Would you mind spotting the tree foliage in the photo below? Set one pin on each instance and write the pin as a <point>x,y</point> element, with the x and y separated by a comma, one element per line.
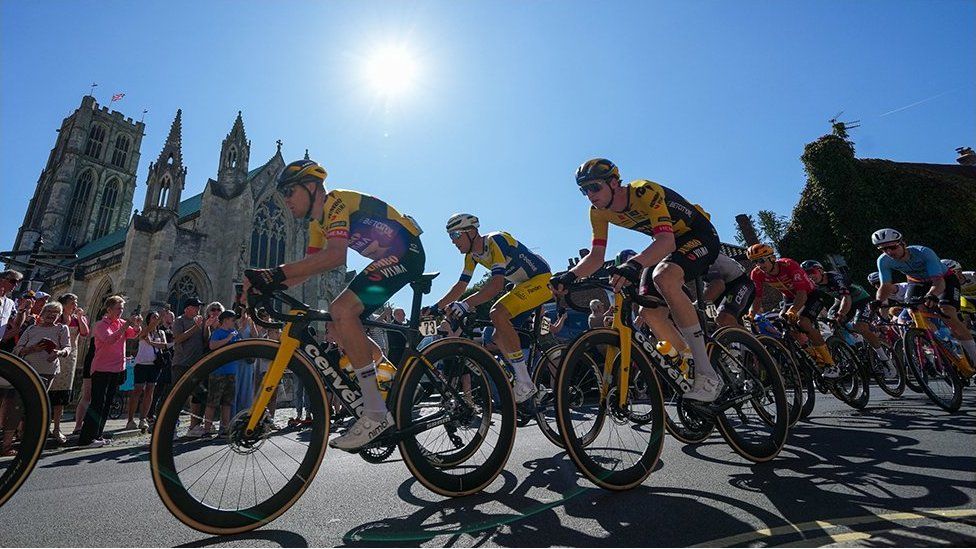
<point>772,226</point>
<point>846,199</point>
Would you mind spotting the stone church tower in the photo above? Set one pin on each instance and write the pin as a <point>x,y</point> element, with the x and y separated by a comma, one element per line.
<point>85,190</point>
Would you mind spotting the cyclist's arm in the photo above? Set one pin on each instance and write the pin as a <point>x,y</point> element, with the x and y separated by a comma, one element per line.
<point>453,294</point>
<point>591,263</point>
<point>493,287</point>
<point>662,246</point>
<point>845,304</point>
<point>324,260</point>
<point>757,282</point>
<point>885,290</point>
<point>799,300</point>
<point>938,286</point>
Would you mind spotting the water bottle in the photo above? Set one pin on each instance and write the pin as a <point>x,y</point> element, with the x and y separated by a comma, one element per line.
<point>347,366</point>
<point>385,372</point>
<point>674,359</point>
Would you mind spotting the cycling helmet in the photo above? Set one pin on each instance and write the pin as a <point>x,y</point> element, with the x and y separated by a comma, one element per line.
<point>952,265</point>
<point>462,221</point>
<point>596,168</point>
<point>623,257</point>
<point>301,171</point>
<point>874,278</point>
<point>810,265</point>
<point>759,251</point>
<point>884,236</point>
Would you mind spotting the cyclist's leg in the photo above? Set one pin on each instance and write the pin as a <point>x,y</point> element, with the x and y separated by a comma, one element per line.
<point>816,301</point>
<point>949,302</point>
<point>736,300</point>
<point>523,297</point>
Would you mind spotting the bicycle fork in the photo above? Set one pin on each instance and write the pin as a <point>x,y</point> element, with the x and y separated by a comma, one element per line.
<point>288,347</point>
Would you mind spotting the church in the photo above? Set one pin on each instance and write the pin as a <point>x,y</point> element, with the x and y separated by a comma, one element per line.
<point>177,247</point>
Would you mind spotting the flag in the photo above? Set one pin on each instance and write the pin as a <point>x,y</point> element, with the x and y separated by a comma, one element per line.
<point>118,96</point>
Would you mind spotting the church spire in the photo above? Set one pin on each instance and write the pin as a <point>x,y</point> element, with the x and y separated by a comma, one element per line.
<point>235,152</point>
<point>167,175</point>
<point>238,130</point>
<point>174,142</point>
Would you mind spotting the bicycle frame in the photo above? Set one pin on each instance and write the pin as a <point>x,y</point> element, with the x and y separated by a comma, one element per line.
<point>924,321</point>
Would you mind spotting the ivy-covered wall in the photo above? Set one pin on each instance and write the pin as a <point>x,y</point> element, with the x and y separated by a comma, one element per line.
<point>846,199</point>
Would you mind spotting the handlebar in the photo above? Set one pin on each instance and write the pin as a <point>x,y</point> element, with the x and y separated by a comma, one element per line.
<point>260,302</point>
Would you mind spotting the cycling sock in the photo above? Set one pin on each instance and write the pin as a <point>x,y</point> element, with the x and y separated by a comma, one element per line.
<point>695,339</point>
<point>969,346</point>
<point>824,354</point>
<point>373,405</point>
<point>517,360</point>
<point>882,353</point>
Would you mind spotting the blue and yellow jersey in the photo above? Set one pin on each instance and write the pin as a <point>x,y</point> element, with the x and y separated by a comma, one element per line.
<point>507,257</point>
<point>373,228</point>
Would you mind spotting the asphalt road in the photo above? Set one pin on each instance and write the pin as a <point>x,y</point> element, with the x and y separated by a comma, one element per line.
<point>898,473</point>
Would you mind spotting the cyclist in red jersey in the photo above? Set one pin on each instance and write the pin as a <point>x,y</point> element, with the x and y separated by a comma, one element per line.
<point>806,302</point>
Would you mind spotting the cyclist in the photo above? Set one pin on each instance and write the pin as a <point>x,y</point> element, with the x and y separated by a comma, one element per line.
<point>731,290</point>
<point>967,289</point>
<point>927,275</point>
<point>511,261</point>
<point>685,244</point>
<point>340,220</point>
<point>850,297</point>
<point>804,301</point>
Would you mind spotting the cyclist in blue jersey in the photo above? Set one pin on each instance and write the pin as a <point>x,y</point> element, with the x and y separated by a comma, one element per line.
<point>927,276</point>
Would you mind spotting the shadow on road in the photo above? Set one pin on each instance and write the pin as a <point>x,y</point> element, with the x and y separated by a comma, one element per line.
<point>283,538</point>
<point>840,469</point>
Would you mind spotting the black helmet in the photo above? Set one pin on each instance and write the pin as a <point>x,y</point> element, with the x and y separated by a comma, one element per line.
<point>623,257</point>
<point>810,264</point>
<point>301,171</point>
<point>596,168</point>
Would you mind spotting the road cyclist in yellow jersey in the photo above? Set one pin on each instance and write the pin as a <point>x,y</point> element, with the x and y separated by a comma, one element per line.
<point>342,220</point>
<point>509,261</point>
<point>684,244</point>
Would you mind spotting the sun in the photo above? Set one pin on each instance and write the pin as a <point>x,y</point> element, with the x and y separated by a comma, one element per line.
<point>391,71</point>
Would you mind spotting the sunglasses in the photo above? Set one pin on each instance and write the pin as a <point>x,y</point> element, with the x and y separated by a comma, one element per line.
<point>889,247</point>
<point>454,235</point>
<point>591,188</point>
<point>766,259</point>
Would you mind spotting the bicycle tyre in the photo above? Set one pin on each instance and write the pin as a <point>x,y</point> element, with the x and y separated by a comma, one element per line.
<point>914,337</point>
<point>436,476</point>
<point>893,388</point>
<point>766,447</point>
<point>858,395</point>
<point>622,479</point>
<point>794,384</point>
<point>165,475</point>
<point>544,378</point>
<point>35,415</point>
<point>910,381</point>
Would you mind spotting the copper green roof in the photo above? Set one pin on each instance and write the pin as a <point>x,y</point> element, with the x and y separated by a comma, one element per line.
<point>96,247</point>
<point>190,206</point>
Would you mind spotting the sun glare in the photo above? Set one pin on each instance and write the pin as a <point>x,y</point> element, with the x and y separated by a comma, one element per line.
<point>391,71</point>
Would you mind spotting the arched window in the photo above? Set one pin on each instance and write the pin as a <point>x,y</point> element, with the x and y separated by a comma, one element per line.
<point>77,210</point>
<point>183,289</point>
<point>268,236</point>
<point>106,210</point>
<point>96,137</point>
<point>232,157</point>
<point>164,192</point>
<point>121,151</point>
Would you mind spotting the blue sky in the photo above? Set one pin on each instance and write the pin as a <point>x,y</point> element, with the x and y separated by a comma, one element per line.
<point>715,100</point>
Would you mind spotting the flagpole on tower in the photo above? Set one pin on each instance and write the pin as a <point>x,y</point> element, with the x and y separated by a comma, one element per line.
<point>144,111</point>
<point>92,92</point>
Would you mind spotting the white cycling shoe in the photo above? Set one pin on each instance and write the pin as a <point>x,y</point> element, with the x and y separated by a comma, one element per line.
<point>524,391</point>
<point>831,371</point>
<point>705,389</point>
<point>888,369</point>
<point>362,432</point>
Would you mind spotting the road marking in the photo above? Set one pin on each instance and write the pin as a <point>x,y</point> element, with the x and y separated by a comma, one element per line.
<point>835,523</point>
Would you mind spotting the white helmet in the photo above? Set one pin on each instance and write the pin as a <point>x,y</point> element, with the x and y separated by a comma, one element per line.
<point>462,221</point>
<point>952,265</point>
<point>874,278</point>
<point>884,236</point>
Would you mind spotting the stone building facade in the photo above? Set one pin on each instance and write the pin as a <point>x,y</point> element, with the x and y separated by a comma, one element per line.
<point>176,247</point>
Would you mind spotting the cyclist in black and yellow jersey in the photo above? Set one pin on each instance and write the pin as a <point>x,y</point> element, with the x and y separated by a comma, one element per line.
<point>685,244</point>
<point>340,220</point>
<point>509,260</point>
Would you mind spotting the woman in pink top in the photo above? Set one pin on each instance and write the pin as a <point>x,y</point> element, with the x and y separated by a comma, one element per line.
<point>108,367</point>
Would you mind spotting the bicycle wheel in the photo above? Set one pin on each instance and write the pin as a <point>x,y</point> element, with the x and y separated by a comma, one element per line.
<point>893,386</point>
<point>910,381</point>
<point>273,466</point>
<point>23,400</point>
<point>852,386</point>
<point>606,445</point>
<point>544,378</point>
<point>756,429</point>
<point>793,383</point>
<point>936,376</point>
<point>464,391</point>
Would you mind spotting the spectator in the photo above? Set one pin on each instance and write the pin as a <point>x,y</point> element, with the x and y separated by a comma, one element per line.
<point>264,364</point>
<point>220,392</point>
<point>188,345</point>
<point>397,341</point>
<point>598,310</point>
<point>45,343</point>
<point>8,281</point>
<point>149,362</point>
<point>166,372</point>
<point>378,334</point>
<point>85,398</point>
<point>244,387</point>
<point>74,318</point>
<point>108,369</point>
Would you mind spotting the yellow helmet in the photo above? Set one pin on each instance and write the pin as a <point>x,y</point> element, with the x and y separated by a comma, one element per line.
<point>300,171</point>
<point>596,168</point>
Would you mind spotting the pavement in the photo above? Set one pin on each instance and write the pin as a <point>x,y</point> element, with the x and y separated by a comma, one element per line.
<point>899,473</point>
